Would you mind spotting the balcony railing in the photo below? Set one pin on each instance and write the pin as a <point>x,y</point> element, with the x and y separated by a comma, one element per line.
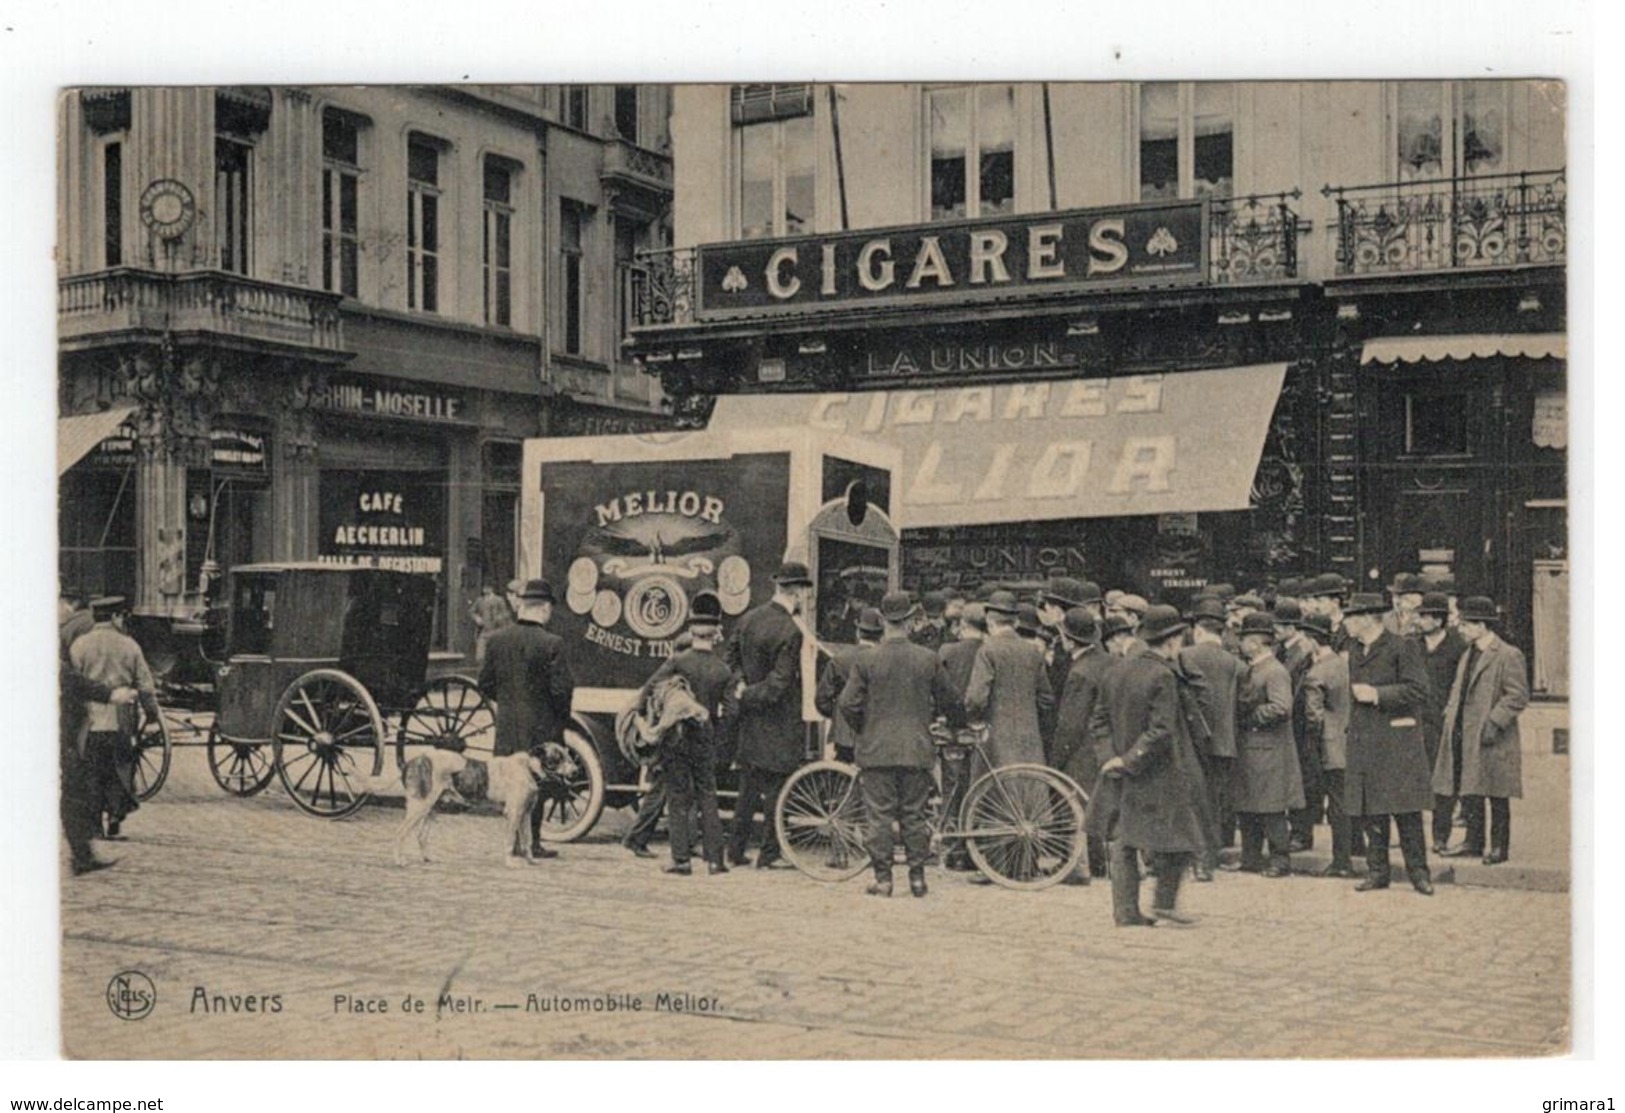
<point>660,289</point>
<point>216,302</point>
<point>1253,239</point>
<point>637,166</point>
<point>1502,220</point>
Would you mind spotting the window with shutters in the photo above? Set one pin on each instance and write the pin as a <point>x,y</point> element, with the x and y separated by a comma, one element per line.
<point>1187,140</point>
<point>972,131</point>
<point>497,247</point>
<point>775,158</point>
<point>341,200</point>
<point>422,225</point>
<point>233,202</point>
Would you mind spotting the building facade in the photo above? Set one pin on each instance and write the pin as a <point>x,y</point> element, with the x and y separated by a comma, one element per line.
<point>1161,334</point>
<point>317,323</point>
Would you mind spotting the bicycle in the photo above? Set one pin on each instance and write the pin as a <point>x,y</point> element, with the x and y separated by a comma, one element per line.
<point>1022,825</point>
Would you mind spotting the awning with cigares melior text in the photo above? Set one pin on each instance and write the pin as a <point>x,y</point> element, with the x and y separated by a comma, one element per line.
<point>1181,442</point>
<point>76,436</point>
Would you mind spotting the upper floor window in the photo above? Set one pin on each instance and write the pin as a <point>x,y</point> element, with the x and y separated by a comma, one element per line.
<point>341,191</point>
<point>573,219</point>
<point>973,150</point>
<point>1187,139</point>
<point>112,203</point>
<point>1448,129</point>
<point>233,202</point>
<point>422,225</point>
<point>773,125</point>
<point>575,107</point>
<point>630,237</point>
<point>626,112</point>
<point>497,250</point>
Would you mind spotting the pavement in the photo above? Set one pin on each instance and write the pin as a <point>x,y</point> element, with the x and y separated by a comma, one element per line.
<point>270,934</point>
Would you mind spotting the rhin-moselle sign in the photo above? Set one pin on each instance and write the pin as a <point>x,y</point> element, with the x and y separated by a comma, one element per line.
<point>1037,254</point>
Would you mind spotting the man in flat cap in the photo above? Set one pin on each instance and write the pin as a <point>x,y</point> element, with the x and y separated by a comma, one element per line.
<point>1481,753</point>
<point>766,652</point>
<point>1442,647</point>
<point>892,695</point>
<point>106,655</point>
<point>1387,773</point>
<point>528,677</point>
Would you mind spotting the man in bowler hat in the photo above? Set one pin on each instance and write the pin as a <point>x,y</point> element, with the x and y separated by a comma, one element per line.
<point>1442,647</point>
<point>1082,742</point>
<point>893,694</point>
<point>1220,672</point>
<point>832,678</point>
<point>766,653</point>
<point>528,677</point>
<point>1269,783</point>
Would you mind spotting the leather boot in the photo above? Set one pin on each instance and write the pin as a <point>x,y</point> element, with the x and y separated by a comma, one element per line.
<point>1422,882</point>
<point>881,886</point>
<point>916,881</point>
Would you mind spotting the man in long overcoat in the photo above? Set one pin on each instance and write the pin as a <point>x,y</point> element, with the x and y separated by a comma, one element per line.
<point>765,651</point>
<point>1268,782</point>
<point>1151,794</point>
<point>528,678</point>
<point>1480,755</point>
<point>1220,672</point>
<point>832,678</point>
<point>891,697</point>
<point>1083,729</point>
<point>959,658</point>
<point>1387,772</point>
<point>1325,701</point>
<point>1009,688</point>
<point>1442,649</point>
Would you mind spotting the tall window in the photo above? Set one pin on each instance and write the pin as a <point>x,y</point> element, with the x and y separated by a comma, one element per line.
<point>497,243</point>
<point>629,236</point>
<point>112,204</point>
<point>572,233</point>
<point>575,107</point>
<point>422,226</point>
<point>341,188</point>
<point>773,128</point>
<point>1187,140</point>
<point>1447,129</point>
<point>973,150</point>
<point>233,197</point>
<point>626,112</point>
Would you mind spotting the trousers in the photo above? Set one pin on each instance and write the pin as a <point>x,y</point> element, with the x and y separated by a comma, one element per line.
<point>112,767</point>
<point>896,795</point>
<point>691,780</point>
<point>1500,823</point>
<point>1216,774</point>
<point>1337,816</point>
<point>81,820</point>
<point>652,803</point>
<point>1305,818</point>
<point>1255,828</point>
<point>1125,869</point>
<point>1411,844</point>
<point>758,788</point>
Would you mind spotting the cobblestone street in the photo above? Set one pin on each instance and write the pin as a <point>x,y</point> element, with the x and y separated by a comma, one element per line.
<point>251,897</point>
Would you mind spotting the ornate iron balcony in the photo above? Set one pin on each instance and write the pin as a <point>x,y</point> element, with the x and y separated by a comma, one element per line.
<point>1253,239</point>
<point>660,289</point>
<point>1501,220</point>
<point>111,303</point>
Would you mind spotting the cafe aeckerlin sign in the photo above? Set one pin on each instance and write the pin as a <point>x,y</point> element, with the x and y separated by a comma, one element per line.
<point>1138,245</point>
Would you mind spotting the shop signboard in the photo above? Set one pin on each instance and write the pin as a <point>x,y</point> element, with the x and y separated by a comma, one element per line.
<point>385,399</point>
<point>237,450</point>
<point>1159,244</point>
<point>383,519</point>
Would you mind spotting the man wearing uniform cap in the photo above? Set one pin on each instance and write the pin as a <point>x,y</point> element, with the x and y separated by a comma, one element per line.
<point>106,655</point>
<point>766,652</point>
<point>1387,772</point>
<point>1481,753</point>
<point>1442,647</point>
<point>832,678</point>
<point>1220,672</point>
<point>528,677</point>
<point>892,695</point>
<point>1082,741</point>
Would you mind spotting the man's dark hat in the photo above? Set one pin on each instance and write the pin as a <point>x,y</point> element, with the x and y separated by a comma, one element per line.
<point>1027,622</point>
<point>1290,588</point>
<point>1258,623</point>
<point>1079,624</point>
<point>1327,583</point>
<point>536,591</point>
<point>1001,602</point>
<point>975,616</point>
<point>1223,591</point>
<point>1160,622</point>
<point>1248,600</point>
<point>1089,592</point>
<point>705,609</point>
<point>1114,625</point>
<point>1065,592</point>
<point>934,603</point>
<point>1444,585</point>
<point>897,606</point>
<point>1209,607</point>
<point>1405,583</point>
<point>1479,608</point>
<point>1287,612</point>
<point>1365,602</point>
<point>1318,626</point>
<point>793,573</point>
<point>869,623</point>
<point>1435,603</point>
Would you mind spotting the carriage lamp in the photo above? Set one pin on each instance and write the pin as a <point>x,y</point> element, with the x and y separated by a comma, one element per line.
<point>198,505</point>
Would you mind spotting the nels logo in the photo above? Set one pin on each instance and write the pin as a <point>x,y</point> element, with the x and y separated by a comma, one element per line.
<point>646,555</point>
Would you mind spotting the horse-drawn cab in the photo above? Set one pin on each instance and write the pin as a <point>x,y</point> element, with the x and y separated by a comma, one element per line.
<point>316,658</point>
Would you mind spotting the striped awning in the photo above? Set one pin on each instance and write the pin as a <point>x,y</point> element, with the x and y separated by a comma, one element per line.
<point>1416,349</point>
<point>76,436</point>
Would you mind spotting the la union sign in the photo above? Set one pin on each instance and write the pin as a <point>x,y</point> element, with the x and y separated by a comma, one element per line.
<point>1161,244</point>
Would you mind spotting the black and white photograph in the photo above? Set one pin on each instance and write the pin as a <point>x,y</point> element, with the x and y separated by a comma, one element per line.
<point>1069,567</point>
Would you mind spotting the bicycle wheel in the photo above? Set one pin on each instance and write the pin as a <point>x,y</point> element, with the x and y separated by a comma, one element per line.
<point>820,818</point>
<point>1023,826</point>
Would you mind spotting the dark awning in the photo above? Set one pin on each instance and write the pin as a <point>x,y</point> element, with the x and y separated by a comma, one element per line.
<point>77,435</point>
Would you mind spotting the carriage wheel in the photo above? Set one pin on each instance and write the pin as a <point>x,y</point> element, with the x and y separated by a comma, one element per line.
<point>1023,825</point>
<point>451,710</point>
<point>152,754</point>
<point>820,819</point>
<point>572,792</point>
<point>241,768</point>
<point>328,740</point>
